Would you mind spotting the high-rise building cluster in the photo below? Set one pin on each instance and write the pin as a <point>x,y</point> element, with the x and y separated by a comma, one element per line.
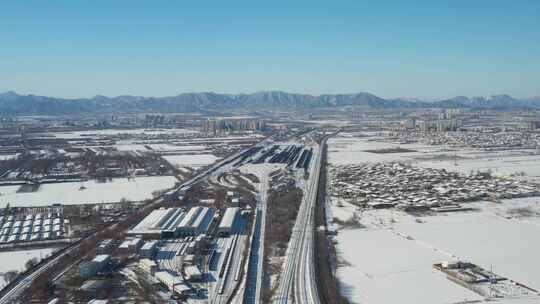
<point>216,126</point>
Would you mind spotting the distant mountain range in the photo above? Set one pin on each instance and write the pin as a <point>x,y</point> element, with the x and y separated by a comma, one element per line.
<point>13,103</point>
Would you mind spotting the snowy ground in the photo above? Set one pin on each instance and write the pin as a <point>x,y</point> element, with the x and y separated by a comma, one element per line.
<point>395,251</point>
<point>131,146</point>
<point>348,150</point>
<point>136,189</point>
<point>109,132</point>
<point>191,160</point>
<point>390,259</point>
<point>16,260</point>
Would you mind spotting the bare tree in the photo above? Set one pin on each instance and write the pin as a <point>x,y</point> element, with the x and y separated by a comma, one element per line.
<point>31,263</point>
<point>11,275</point>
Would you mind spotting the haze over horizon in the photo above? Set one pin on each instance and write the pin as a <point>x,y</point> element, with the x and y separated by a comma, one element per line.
<point>390,49</point>
<point>411,98</point>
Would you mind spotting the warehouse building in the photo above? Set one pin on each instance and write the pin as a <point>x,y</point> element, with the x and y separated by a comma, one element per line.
<point>192,273</point>
<point>105,246</point>
<point>131,245</point>
<point>203,221</point>
<point>92,268</point>
<point>168,279</point>
<point>185,227</point>
<point>160,223</point>
<point>148,265</point>
<point>149,249</point>
<point>228,222</point>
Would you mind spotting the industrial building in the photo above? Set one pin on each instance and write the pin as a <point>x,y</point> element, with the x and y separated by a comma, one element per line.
<point>174,222</point>
<point>202,222</point>
<point>91,268</point>
<point>131,245</point>
<point>192,273</point>
<point>185,226</point>
<point>149,249</point>
<point>228,221</point>
<point>160,223</point>
<point>105,246</point>
<point>173,282</point>
<point>168,279</point>
<point>148,265</point>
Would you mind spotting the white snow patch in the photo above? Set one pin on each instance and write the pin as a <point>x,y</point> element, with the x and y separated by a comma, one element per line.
<point>136,189</point>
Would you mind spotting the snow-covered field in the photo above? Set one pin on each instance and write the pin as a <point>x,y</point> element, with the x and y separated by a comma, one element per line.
<point>348,150</point>
<point>136,189</point>
<point>390,259</point>
<point>198,160</point>
<point>498,163</point>
<point>109,132</point>
<point>396,252</point>
<point>16,260</point>
<point>128,146</point>
<point>169,147</point>
<point>382,267</point>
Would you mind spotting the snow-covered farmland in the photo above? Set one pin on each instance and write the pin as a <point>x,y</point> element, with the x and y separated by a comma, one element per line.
<point>176,148</point>
<point>198,160</point>
<point>381,267</point>
<point>112,132</point>
<point>351,150</point>
<point>136,189</point>
<point>395,251</point>
<point>387,256</point>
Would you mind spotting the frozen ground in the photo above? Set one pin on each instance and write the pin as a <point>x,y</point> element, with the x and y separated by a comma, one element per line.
<point>16,260</point>
<point>169,147</point>
<point>498,163</point>
<point>198,160</point>
<point>381,267</point>
<point>129,146</point>
<point>350,150</point>
<point>136,189</point>
<point>390,259</point>
<point>109,132</point>
<point>396,251</point>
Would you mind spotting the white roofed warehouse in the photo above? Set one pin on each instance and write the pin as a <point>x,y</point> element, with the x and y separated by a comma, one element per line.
<point>160,223</point>
<point>228,222</point>
<point>185,227</point>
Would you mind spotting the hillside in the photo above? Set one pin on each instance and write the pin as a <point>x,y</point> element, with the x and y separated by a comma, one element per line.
<point>13,103</point>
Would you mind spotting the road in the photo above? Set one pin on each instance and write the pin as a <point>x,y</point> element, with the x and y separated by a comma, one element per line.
<point>297,283</point>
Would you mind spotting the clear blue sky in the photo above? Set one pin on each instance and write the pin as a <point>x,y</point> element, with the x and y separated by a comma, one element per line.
<point>160,48</point>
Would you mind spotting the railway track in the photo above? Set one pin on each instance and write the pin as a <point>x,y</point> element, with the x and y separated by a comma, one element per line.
<point>297,282</point>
